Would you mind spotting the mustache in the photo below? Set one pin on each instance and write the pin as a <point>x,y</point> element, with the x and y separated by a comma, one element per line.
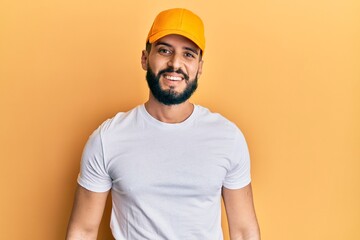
<point>171,70</point>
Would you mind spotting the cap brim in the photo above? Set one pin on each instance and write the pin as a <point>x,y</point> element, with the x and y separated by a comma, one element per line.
<point>153,38</point>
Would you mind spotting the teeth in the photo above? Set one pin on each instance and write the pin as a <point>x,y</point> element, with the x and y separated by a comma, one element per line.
<point>173,78</point>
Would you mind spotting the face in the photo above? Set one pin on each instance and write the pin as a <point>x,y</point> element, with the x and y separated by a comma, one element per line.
<point>173,66</point>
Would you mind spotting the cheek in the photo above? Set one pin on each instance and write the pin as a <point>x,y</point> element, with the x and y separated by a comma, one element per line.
<point>157,66</point>
<point>193,70</point>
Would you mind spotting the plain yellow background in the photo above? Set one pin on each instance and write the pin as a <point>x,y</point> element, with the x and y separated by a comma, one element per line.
<point>286,72</point>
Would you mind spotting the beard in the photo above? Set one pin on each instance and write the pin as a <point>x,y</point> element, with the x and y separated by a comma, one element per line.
<point>170,96</point>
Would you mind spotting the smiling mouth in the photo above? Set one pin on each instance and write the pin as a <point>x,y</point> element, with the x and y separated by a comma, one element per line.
<point>173,78</point>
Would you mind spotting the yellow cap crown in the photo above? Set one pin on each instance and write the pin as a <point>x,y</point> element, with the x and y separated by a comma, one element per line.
<point>178,21</point>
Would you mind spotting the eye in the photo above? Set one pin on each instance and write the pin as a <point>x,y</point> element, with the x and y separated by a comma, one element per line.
<point>189,55</point>
<point>164,51</point>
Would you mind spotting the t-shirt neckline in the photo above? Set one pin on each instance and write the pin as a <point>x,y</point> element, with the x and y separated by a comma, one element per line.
<point>156,122</point>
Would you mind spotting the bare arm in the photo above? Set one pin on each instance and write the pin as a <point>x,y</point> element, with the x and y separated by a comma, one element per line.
<point>240,213</point>
<point>86,214</point>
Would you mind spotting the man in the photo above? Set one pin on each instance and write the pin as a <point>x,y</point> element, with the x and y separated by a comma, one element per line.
<point>167,162</point>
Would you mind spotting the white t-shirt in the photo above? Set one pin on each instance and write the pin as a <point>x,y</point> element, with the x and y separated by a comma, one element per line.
<point>166,179</point>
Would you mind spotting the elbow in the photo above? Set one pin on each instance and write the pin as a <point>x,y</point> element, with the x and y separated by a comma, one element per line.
<point>81,234</point>
<point>245,234</point>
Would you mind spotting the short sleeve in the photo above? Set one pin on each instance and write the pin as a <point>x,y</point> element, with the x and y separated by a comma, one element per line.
<point>238,175</point>
<point>93,175</point>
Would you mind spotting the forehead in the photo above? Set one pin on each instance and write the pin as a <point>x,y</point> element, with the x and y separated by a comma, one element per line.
<point>177,41</point>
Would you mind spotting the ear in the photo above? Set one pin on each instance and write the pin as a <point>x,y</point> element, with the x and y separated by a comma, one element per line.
<point>144,59</point>
<point>200,67</point>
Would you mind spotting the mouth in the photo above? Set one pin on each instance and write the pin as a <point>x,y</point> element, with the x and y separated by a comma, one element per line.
<point>173,78</point>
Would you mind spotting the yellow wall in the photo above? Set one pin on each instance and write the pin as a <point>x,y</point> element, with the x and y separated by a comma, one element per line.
<point>287,72</point>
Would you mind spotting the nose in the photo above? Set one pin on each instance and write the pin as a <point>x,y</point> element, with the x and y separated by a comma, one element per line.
<point>175,62</point>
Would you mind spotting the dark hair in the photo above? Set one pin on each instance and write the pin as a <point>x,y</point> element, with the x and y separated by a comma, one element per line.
<point>148,46</point>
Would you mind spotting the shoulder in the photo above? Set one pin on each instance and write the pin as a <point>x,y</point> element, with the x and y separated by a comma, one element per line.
<point>119,121</point>
<point>207,117</point>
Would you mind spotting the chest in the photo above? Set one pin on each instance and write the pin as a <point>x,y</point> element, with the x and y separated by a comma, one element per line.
<point>168,164</point>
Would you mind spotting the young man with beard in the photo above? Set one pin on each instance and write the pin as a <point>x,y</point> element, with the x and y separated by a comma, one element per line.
<point>167,162</point>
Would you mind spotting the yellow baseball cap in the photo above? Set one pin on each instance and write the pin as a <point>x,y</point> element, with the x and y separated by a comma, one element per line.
<point>178,21</point>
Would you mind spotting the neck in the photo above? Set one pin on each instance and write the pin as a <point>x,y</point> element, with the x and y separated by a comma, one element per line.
<point>169,113</point>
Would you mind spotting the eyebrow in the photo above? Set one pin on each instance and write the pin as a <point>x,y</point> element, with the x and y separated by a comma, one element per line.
<point>169,45</point>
